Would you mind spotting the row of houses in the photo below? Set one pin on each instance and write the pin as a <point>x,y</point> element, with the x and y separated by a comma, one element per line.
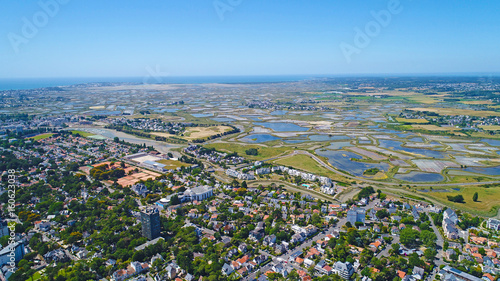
<point>243,265</point>
<point>450,220</point>
<point>305,176</point>
<point>239,175</point>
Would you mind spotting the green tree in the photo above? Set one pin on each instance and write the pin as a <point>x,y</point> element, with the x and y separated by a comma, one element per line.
<point>383,213</point>
<point>430,254</point>
<point>414,260</point>
<point>395,248</point>
<point>428,238</point>
<point>475,197</point>
<point>408,237</point>
<point>458,198</point>
<point>315,219</point>
<point>252,151</point>
<point>293,276</point>
<point>184,260</point>
<point>175,200</point>
<point>139,256</point>
<point>482,251</point>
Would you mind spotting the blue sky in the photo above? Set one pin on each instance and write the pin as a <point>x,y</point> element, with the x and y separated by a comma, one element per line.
<point>256,37</point>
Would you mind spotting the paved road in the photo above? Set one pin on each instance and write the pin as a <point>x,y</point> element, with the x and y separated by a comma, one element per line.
<point>439,248</point>
<point>385,251</point>
<point>70,255</point>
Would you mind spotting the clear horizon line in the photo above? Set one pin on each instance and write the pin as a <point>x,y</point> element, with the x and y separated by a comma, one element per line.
<point>404,74</point>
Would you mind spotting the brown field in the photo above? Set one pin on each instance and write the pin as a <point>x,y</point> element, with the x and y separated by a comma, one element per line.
<point>173,164</point>
<point>333,103</point>
<point>423,99</point>
<point>477,102</point>
<point>197,132</point>
<point>435,128</point>
<point>166,135</point>
<point>367,153</point>
<point>203,132</point>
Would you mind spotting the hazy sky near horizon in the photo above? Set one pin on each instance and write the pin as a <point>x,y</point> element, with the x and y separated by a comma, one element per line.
<point>247,37</point>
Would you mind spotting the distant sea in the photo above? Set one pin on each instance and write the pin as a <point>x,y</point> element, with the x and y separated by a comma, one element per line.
<point>34,83</point>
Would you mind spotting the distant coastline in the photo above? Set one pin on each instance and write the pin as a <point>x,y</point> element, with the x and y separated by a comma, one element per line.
<point>35,83</point>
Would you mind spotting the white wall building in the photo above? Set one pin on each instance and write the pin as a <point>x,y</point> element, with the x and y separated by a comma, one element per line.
<point>198,193</point>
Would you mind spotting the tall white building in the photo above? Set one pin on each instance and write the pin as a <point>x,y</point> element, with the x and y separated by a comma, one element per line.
<point>198,193</point>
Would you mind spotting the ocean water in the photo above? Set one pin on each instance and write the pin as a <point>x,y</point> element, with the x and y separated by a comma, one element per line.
<point>34,83</point>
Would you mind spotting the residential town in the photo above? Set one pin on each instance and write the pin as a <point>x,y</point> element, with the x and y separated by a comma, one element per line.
<point>308,180</point>
<point>184,224</point>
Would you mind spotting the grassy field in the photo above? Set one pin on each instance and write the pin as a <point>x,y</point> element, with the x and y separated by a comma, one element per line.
<point>173,164</point>
<point>435,128</point>
<point>463,177</point>
<point>42,136</point>
<point>490,127</point>
<point>456,111</point>
<point>305,163</point>
<point>264,151</point>
<point>412,121</point>
<point>484,135</point>
<point>82,133</point>
<point>487,204</point>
